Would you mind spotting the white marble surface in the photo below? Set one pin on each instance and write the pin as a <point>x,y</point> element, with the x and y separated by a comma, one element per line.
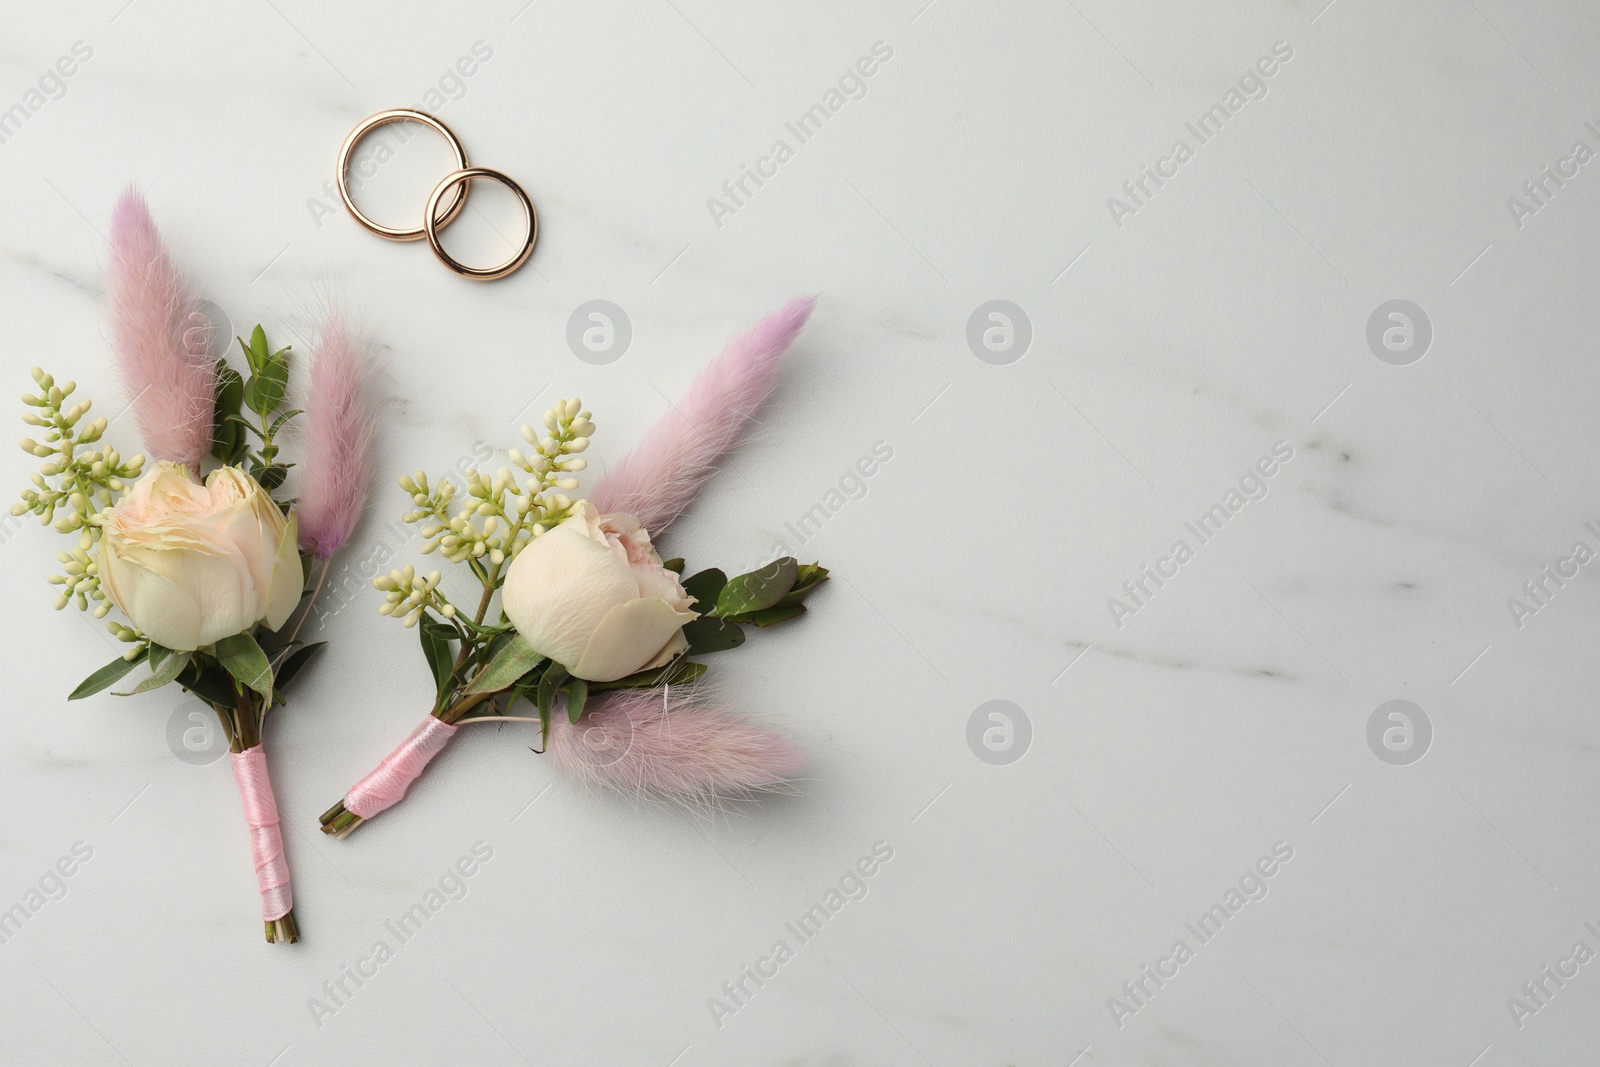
<point>1168,354</point>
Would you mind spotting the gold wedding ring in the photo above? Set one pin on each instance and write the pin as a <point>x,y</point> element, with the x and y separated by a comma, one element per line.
<point>383,118</point>
<point>446,200</point>
<point>462,179</point>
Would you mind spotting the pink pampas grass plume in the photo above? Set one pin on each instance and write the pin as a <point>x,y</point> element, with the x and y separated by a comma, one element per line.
<point>339,425</point>
<point>159,339</point>
<point>695,754</point>
<point>660,476</point>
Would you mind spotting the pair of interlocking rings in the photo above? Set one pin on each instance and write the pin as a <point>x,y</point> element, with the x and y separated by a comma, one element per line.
<point>439,212</point>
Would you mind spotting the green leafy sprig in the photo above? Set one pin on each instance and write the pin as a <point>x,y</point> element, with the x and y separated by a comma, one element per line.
<point>240,677</point>
<point>481,666</point>
<point>261,394</point>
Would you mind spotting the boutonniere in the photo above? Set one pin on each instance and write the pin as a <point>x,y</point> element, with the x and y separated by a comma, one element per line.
<point>210,576</point>
<point>579,620</point>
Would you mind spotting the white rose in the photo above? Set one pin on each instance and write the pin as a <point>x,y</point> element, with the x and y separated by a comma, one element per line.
<point>592,595</point>
<point>190,564</point>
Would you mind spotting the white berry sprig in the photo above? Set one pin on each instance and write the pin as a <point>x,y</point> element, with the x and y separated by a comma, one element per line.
<point>75,483</point>
<point>486,521</point>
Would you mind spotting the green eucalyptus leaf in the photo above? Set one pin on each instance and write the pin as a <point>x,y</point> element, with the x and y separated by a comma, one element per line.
<point>711,634</point>
<point>577,696</point>
<point>549,686</point>
<point>510,663</point>
<point>675,564</point>
<point>293,662</point>
<point>436,648</point>
<point>158,655</point>
<point>257,352</point>
<point>227,443</point>
<point>230,389</point>
<point>242,657</point>
<point>773,615</point>
<point>264,391</point>
<point>704,587</point>
<point>167,672</point>
<point>270,476</point>
<point>209,682</point>
<point>758,589</point>
<point>277,424</point>
<point>811,575</point>
<point>225,437</point>
<point>682,672</point>
<point>107,676</point>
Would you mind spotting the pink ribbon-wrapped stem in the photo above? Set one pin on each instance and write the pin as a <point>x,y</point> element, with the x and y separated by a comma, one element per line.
<point>387,784</point>
<point>266,843</point>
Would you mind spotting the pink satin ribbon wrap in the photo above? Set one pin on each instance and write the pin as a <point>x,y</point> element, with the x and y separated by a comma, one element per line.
<point>383,788</point>
<point>266,843</point>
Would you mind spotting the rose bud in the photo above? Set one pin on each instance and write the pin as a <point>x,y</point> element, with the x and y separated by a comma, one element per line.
<point>592,595</point>
<point>190,564</point>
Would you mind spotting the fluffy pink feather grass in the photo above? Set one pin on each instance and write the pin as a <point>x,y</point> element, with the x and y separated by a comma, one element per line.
<point>660,476</point>
<point>697,754</point>
<point>158,338</point>
<point>339,426</point>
